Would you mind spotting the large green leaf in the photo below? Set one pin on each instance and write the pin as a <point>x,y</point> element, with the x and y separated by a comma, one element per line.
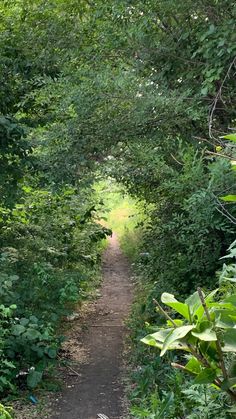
<point>209,349</point>
<point>175,335</point>
<point>34,378</point>
<point>205,331</point>
<point>225,319</point>
<point>149,340</point>
<point>24,321</point>
<point>193,302</point>
<point>178,322</point>
<point>18,329</point>
<point>156,339</point>
<point>229,341</point>
<point>231,137</point>
<point>206,376</point>
<point>231,299</point>
<point>193,365</point>
<point>162,334</point>
<point>181,308</point>
<point>32,334</point>
<point>228,198</point>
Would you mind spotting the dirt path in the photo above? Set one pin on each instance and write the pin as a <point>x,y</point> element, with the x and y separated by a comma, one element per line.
<point>98,388</point>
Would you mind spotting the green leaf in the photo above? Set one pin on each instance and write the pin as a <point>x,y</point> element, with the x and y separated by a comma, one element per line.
<point>34,319</point>
<point>156,339</point>
<point>229,340</point>
<point>175,335</point>
<point>24,321</point>
<point>209,349</point>
<point>206,376</point>
<point>193,365</point>
<point>204,91</point>
<point>230,279</point>
<point>165,404</point>
<point>32,334</point>
<point>8,364</point>
<point>193,302</point>
<point>162,334</point>
<point>170,300</point>
<point>18,329</point>
<point>51,352</point>
<point>225,319</point>
<point>228,198</point>
<point>149,340</point>
<point>231,299</point>
<point>34,378</point>
<point>231,137</point>
<point>178,322</point>
<point>205,331</point>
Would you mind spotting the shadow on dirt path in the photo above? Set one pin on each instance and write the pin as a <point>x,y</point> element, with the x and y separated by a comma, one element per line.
<point>98,389</point>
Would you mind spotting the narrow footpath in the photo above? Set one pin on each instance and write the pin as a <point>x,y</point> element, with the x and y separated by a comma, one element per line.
<point>98,389</point>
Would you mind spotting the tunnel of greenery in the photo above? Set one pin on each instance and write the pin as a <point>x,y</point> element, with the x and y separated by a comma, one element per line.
<point>129,107</point>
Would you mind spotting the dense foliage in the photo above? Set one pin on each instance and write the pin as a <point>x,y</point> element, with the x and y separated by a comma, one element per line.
<point>50,240</point>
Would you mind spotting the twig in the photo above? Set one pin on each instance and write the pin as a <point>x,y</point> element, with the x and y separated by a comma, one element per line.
<point>218,154</point>
<point>74,372</point>
<point>70,368</point>
<point>226,215</point>
<point>224,211</point>
<point>165,313</point>
<point>177,161</point>
<point>182,368</point>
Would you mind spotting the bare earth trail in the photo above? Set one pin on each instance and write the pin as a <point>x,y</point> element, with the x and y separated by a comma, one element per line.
<point>98,388</point>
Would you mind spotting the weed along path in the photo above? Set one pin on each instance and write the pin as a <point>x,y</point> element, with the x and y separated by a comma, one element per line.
<point>96,387</point>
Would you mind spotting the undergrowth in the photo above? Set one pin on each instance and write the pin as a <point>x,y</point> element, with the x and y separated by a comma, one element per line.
<point>155,389</point>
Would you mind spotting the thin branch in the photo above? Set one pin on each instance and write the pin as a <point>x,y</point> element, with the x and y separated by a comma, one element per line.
<point>74,372</point>
<point>224,211</point>
<point>225,215</point>
<point>201,296</point>
<point>182,368</point>
<point>218,154</point>
<point>165,313</point>
<point>177,161</point>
